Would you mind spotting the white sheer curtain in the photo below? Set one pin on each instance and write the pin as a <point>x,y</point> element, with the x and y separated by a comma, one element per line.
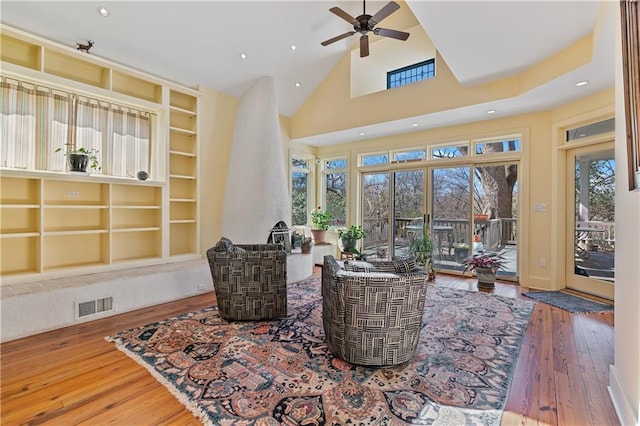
<point>131,142</point>
<point>54,124</point>
<point>17,124</point>
<point>91,130</point>
<point>37,121</point>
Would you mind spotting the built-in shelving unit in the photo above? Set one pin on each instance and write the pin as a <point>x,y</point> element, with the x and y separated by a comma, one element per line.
<point>20,213</point>
<point>183,173</point>
<point>56,224</point>
<point>52,224</point>
<point>74,66</point>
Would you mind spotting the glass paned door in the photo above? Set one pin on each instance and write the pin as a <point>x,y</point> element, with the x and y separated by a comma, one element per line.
<point>376,213</point>
<point>591,220</point>
<point>393,211</point>
<point>450,210</point>
<point>408,209</point>
<point>495,214</point>
<point>474,211</point>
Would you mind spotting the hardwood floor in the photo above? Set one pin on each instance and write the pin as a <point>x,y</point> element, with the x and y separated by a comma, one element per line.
<point>73,376</point>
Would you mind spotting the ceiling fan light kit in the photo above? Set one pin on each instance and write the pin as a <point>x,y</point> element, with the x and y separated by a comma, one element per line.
<point>367,23</point>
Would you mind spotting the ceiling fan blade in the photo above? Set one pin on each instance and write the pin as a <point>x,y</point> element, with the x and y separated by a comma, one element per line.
<point>385,11</point>
<point>344,15</point>
<point>364,46</point>
<point>336,38</point>
<point>385,32</point>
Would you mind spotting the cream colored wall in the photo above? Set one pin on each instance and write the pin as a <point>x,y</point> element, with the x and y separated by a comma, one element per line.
<point>624,381</point>
<point>331,107</point>
<point>217,118</point>
<point>369,74</point>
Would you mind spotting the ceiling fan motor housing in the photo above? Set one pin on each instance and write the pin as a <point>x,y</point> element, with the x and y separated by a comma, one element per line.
<point>364,24</point>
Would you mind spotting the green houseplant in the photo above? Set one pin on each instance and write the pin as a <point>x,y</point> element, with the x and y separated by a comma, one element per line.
<point>350,237</point>
<point>320,222</point>
<point>485,266</point>
<point>81,158</point>
<point>421,247</point>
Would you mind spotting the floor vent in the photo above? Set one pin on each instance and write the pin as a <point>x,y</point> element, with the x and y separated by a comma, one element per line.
<point>93,307</point>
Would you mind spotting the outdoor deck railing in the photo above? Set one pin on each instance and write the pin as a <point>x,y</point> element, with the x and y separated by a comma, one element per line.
<point>605,236</point>
<point>446,233</point>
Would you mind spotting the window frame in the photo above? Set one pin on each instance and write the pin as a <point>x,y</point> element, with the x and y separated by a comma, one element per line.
<point>323,182</point>
<point>311,182</point>
<point>395,72</point>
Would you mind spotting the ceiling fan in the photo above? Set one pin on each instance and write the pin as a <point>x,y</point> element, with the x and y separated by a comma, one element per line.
<point>364,23</point>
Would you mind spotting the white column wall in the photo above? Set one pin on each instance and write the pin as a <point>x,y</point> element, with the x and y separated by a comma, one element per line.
<point>256,195</point>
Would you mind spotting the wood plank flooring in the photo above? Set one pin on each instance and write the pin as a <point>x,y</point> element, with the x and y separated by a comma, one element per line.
<point>73,376</point>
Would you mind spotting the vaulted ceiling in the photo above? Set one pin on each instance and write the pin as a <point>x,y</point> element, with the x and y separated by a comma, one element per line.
<point>200,43</point>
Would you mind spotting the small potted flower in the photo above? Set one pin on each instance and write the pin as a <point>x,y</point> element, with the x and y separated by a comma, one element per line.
<point>485,266</point>
<point>296,240</point>
<point>320,222</point>
<point>307,243</point>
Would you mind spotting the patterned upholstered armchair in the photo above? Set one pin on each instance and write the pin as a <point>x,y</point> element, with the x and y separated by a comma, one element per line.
<point>371,317</point>
<point>250,280</point>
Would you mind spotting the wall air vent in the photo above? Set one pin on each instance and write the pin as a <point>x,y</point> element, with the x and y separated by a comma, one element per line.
<point>93,307</point>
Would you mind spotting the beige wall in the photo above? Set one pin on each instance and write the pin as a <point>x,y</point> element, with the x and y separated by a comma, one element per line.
<point>217,117</point>
<point>625,371</point>
<point>330,107</point>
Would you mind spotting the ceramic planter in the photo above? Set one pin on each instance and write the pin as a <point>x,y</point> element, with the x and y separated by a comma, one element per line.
<point>78,162</point>
<point>486,277</point>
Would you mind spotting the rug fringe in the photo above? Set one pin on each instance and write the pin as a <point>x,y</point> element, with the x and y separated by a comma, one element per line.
<point>198,412</point>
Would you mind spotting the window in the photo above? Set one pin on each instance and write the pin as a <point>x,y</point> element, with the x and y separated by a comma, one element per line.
<point>510,145</point>
<point>335,189</point>
<point>590,130</point>
<point>449,151</point>
<point>299,191</point>
<point>411,74</point>
<point>39,121</point>
<point>374,159</point>
<point>406,156</point>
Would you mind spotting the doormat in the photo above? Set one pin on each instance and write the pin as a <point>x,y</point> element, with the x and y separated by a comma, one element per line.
<point>568,302</point>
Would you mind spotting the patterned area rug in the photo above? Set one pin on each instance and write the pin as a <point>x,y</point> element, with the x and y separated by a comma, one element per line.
<point>568,302</point>
<point>280,372</point>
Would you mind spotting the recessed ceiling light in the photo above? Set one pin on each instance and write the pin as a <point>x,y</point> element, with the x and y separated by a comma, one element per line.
<point>298,84</point>
<point>243,55</point>
<point>293,47</point>
<point>362,133</point>
<point>103,11</point>
<point>491,111</point>
<point>414,125</point>
<point>582,83</point>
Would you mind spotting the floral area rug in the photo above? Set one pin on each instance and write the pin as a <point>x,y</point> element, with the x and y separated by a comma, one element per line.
<point>280,371</point>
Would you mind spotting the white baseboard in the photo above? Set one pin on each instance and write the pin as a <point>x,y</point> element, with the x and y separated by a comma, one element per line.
<point>621,404</point>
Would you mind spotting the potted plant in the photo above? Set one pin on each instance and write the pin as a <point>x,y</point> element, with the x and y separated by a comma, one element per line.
<point>296,240</point>
<point>350,236</point>
<point>485,265</point>
<point>320,222</point>
<point>421,247</point>
<point>79,158</point>
<point>307,243</point>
